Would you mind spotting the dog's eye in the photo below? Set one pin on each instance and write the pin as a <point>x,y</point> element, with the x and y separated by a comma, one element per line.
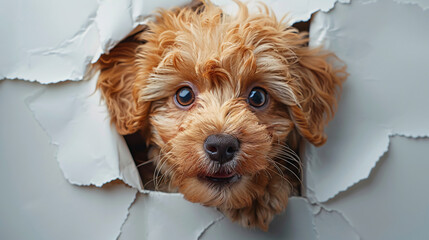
<point>257,97</point>
<point>185,96</point>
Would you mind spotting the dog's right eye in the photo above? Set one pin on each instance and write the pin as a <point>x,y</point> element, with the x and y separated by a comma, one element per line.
<point>185,96</point>
<point>257,97</point>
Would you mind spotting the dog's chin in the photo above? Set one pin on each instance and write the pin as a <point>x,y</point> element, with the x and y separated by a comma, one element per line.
<point>225,190</point>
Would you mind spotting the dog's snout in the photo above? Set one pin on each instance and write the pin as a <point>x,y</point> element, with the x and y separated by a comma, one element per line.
<point>221,147</point>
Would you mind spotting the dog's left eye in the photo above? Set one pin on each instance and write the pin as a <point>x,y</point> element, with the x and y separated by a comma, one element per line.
<point>257,97</point>
<point>185,96</point>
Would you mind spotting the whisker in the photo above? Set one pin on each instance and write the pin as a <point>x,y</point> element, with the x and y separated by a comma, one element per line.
<point>299,179</point>
<point>167,173</point>
<point>144,163</point>
<point>287,155</point>
<point>286,158</point>
<point>282,158</point>
<point>276,166</point>
<point>161,163</point>
<point>160,173</point>
<point>285,179</point>
<point>267,173</point>
<point>287,152</point>
<point>288,149</point>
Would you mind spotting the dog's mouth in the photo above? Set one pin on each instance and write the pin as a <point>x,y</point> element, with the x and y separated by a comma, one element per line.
<point>221,177</point>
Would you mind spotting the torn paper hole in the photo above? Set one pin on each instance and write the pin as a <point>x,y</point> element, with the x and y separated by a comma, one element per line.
<point>134,141</point>
<point>383,95</point>
<point>78,114</point>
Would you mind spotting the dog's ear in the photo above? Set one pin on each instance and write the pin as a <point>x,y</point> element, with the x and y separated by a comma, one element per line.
<point>117,83</point>
<point>319,82</point>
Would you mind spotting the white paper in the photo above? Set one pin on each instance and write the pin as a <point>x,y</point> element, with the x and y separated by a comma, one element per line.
<point>50,42</point>
<point>90,151</point>
<point>393,202</point>
<point>36,201</point>
<point>331,224</point>
<point>159,215</point>
<point>301,220</point>
<point>424,4</point>
<point>385,95</point>
<point>295,223</point>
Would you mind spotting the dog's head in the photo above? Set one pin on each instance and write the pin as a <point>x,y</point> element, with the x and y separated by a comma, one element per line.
<point>219,98</point>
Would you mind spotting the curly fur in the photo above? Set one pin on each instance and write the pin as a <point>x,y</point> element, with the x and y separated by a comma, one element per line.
<point>222,57</point>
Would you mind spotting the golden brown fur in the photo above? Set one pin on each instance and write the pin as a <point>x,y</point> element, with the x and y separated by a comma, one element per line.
<point>222,57</point>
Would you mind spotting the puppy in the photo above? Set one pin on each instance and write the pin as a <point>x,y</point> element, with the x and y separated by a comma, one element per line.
<point>222,103</point>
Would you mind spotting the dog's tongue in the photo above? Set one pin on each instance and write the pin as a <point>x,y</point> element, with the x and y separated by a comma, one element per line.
<point>221,175</point>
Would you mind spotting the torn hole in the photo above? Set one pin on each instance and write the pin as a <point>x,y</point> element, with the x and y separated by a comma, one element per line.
<point>137,81</point>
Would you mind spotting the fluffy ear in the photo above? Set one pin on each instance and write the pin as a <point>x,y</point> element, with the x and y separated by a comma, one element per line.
<point>319,82</point>
<point>117,83</point>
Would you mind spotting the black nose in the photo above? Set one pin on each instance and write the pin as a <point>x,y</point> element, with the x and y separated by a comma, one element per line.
<point>221,147</point>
